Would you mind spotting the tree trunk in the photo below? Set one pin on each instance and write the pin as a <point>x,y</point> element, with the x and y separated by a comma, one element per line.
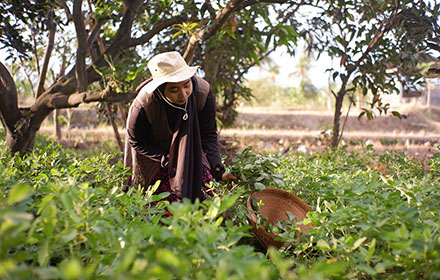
<point>109,110</point>
<point>123,113</point>
<point>337,119</point>
<point>57,125</point>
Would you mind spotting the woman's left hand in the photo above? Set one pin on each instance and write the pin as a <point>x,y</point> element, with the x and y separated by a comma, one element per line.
<point>228,177</point>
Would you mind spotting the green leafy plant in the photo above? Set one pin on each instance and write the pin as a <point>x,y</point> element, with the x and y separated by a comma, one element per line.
<point>66,217</point>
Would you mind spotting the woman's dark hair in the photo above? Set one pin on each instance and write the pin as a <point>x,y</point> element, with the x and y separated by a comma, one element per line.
<point>162,88</point>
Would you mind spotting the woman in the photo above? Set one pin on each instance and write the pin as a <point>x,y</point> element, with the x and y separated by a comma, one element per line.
<point>172,131</point>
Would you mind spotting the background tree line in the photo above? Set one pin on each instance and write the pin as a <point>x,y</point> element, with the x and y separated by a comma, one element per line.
<point>102,48</point>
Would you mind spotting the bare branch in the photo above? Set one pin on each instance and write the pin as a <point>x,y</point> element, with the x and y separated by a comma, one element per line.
<point>49,48</point>
<point>131,9</point>
<point>95,32</point>
<point>9,112</point>
<point>63,5</point>
<point>212,29</point>
<point>220,19</point>
<point>207,6</point>
<point>80,67</point>
<point>155,30</point>
<point>60,100</point>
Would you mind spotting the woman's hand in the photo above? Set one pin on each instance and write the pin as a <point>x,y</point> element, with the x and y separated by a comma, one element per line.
<point>228,177</point>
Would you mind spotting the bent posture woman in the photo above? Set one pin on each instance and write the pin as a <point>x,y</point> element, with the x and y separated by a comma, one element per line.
<point>172,131</point>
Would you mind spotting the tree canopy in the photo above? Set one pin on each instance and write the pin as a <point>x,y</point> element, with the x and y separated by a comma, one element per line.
<point>97,50</point>
<point>378,43</point>
<point>103,47</point>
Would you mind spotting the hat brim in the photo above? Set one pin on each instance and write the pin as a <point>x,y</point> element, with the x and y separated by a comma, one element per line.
<point>178,76</point>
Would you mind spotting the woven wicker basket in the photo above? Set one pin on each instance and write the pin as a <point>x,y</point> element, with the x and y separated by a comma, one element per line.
<point>276,203</point>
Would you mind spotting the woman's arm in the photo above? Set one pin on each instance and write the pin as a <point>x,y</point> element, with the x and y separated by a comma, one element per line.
<point>138,130</point>
<point>208,133</point>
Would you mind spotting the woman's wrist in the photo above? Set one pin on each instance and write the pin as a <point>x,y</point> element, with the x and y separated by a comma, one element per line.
<point>218,172</point>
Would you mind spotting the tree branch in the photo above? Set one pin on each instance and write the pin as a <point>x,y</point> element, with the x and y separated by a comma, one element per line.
<point>155,30</point>
<point>94,34</point>
<point>210,30</point>
<point>220,19</point>
<point>63,5</point>
<point>50,44</point>
<point>377,36</point>
<point>80,67</point>
<point>60,100</point>
<point>253,2</point>
<point>124,31</point>
<point>9,112</point>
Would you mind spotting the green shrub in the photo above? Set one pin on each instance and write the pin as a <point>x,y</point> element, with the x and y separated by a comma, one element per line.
<point>369,223</point>
<point>65,217</point>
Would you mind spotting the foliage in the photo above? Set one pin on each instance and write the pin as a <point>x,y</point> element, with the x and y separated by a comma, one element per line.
<point>246,39</point>
<point>67,218</point>
<point>378,45</point>
<point>374,216</point>
<point>14,15</point>
<point>100,50</point>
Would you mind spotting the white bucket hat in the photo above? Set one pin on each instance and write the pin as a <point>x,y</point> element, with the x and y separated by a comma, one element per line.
<point>168,67</point>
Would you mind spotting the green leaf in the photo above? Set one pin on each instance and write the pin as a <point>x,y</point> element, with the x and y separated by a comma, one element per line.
<point>55,172</point>
<point>213,208</point>
<point>279,182</point>
<point>332,267</point>
<point>371,249</point>
<point>43,253</point>
<point>66,200</point>
<point>127,258</point>
<point>45,203</point>
<point>402,232</point>
<point>228,202</point>
<point>19,193</point>
<point>367,269</point>
<point>322,244</point>
<point>68,235</point>
<point>248,166</point>
<point>259,186</point>
<point>71,269</point>
<point>5,267</point>
<point>160,196</point>
<point>358,243</point>
<point>341,41</point>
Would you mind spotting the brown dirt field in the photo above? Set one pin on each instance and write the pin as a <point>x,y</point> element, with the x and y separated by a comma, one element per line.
<point>287,130</point>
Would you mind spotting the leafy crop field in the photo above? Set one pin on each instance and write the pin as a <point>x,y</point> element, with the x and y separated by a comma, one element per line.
<point>63,216</point>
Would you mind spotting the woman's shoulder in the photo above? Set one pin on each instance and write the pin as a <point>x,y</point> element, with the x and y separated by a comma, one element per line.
<point>145,99</point>
<point>203,90</point>
<point>202,85</point>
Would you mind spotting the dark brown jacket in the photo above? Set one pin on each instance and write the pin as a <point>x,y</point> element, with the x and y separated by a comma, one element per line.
<point>145,149</point>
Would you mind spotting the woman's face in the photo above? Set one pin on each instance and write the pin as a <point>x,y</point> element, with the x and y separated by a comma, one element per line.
<point>179,92</point>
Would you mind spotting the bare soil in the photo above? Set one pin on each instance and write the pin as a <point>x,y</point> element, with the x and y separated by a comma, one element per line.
<point>287,130</point>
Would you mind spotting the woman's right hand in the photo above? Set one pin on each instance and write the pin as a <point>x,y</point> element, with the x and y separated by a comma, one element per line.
<point>227,176</point>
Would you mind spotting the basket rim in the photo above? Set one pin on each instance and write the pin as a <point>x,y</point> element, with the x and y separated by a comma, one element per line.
<point>272,190</point>
<point>260,229</point>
